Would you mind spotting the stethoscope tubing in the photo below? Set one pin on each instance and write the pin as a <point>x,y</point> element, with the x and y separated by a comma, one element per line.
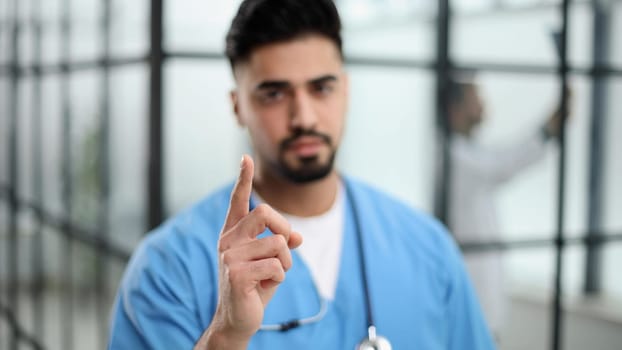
<point>371,328</point>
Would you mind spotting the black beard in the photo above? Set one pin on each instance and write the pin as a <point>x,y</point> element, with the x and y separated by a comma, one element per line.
<point>310,169</point>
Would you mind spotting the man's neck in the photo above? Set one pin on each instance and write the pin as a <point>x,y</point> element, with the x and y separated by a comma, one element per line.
<point>309,199</point>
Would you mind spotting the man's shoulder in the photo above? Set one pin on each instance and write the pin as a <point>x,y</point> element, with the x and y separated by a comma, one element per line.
<point>182,243</point>
<point>391,219</point>
<point>195,227</point>
<point>390,207</point>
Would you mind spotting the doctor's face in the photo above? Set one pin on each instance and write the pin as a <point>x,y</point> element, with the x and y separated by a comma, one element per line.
<point>292,97</point>
<point>473,105</point>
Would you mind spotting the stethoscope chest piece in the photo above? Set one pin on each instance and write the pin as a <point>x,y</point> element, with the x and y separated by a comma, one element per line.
<point>380,343</point>
<point>374,342</point>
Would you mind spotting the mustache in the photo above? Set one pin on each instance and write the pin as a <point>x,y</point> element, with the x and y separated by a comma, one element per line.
<point>301,133</point>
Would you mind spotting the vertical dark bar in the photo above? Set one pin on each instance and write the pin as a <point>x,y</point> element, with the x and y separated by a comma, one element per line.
<point>37,184</point>
<point>67,261</point>
<point>13,244</point>
<point>443,70</point>
<point>155,190</point>
<point>600,51</point>
<point>556,339</point>
<point>101,272</point>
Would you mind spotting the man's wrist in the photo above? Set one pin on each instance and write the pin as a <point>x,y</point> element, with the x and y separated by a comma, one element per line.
<point>216,339</point>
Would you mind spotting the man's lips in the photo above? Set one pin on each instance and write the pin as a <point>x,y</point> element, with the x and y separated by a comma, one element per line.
<point>306,146</point>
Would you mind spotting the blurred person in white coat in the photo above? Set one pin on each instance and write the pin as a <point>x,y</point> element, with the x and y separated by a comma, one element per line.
<point>476,174</point>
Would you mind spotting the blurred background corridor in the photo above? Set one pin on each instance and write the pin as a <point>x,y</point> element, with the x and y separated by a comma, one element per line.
<point>115,115</point>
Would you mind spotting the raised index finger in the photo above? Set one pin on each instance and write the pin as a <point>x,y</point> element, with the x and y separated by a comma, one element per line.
<point>240,196</point>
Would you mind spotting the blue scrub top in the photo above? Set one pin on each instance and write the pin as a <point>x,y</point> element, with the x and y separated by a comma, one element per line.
<point>420,293</point>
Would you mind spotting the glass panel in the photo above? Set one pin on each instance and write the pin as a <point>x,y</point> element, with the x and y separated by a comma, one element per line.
<point>612,190</point>
<point>389,29</point>
<point>198,24</point>
<point>4,129</point>
<point>24,268</point>
<point>26,32</point>
<point>581,27</point>
<point>530,275</point>
<point>573,276</point>
<point>5,332</point>
<point>4,250</point>
<point>128,154</point>
<point>518,4</point>
<point>51,40</point>
<point>486,36</point>
<point>4,10</point>
<point>5,27</point>
<point>612,193</point>
<point>594,322</point>
<point>130,27</point>
<point>377,129</point>
<point>612,282</point>
<point>5,39</point>
<point>116,268</point>
<point>51,144</point>
<point>203,142</point>
<point>528,286</point>
<point>23,9</point>
<point>471,6</point>
<point>53,245</point>
<point>578,157</point>
<point>84,32</point>
<point>520,35</point>
<point>24,139</point>
<point>85,136</point>
<point>7,23</point>
<point>84,300</point>
<point>86,37</point>
<point>615,27</point>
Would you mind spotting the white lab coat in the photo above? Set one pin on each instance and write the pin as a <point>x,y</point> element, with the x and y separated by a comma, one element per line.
<point>477,171</point>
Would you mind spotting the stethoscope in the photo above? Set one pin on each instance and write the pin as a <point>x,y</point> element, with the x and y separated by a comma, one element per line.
<point>373,341</point>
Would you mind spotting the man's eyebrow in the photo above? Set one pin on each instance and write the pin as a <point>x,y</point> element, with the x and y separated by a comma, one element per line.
<point>273,84</point>
<point>283,84</point>
<point>323,79</point>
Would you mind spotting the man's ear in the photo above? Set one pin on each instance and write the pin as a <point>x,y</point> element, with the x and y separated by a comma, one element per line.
<point>235,104</point>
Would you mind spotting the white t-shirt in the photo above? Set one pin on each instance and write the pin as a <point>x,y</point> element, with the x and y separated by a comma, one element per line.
<point>321,248</point>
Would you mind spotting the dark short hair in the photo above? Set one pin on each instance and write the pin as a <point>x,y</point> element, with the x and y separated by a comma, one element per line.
<point>459,82</point>
<point>456,87</point>
<point>261,22</point>
<point>457,90</point>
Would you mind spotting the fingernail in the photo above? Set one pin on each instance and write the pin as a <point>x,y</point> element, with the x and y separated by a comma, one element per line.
<point>242,162</point>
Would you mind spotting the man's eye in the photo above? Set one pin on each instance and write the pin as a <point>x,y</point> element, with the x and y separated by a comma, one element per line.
<point>323,89</point>
<point>271,95</point>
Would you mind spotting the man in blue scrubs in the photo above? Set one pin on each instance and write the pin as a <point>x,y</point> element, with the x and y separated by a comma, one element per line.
<point>233,272</point>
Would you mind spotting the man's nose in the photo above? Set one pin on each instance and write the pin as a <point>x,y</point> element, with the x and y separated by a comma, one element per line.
<point>302,112</point>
